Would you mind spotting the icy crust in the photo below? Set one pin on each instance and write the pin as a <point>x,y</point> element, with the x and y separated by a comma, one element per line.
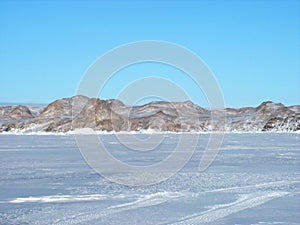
<point>255,179</point>
<point>68,114</point>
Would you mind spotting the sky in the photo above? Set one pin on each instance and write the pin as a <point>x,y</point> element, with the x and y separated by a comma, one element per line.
<point>251,47</point>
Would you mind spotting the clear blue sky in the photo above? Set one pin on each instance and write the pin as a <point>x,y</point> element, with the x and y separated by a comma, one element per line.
<point>252,47</point>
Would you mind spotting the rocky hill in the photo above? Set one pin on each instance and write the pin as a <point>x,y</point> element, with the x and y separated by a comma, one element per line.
<point>112,115</point>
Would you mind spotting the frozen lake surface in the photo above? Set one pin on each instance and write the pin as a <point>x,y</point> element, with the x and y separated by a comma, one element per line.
<point>255,179</point>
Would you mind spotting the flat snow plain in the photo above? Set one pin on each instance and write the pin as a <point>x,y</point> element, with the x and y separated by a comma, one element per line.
<point>255,179</point>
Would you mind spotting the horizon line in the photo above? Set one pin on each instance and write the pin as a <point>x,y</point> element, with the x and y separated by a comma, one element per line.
<point>46,104</point>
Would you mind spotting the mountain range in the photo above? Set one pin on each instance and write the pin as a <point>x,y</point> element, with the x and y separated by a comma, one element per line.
<point>67,114</point>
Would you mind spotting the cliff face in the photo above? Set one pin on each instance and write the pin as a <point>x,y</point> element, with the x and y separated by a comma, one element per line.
<point>112,115</point>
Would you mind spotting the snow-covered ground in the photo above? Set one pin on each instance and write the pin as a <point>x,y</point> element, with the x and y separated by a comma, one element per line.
<point>255,179</point>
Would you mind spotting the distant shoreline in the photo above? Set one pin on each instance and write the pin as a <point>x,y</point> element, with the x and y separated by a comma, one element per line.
<point>72,133</point>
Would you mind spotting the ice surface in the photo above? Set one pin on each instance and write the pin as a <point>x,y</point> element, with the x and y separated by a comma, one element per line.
<point>255,179</point>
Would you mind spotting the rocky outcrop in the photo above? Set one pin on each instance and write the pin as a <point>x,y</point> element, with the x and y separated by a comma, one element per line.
<point>68,114</point>
<point>283,124</point>
<point>15,112</point>
<point>256,119</point>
